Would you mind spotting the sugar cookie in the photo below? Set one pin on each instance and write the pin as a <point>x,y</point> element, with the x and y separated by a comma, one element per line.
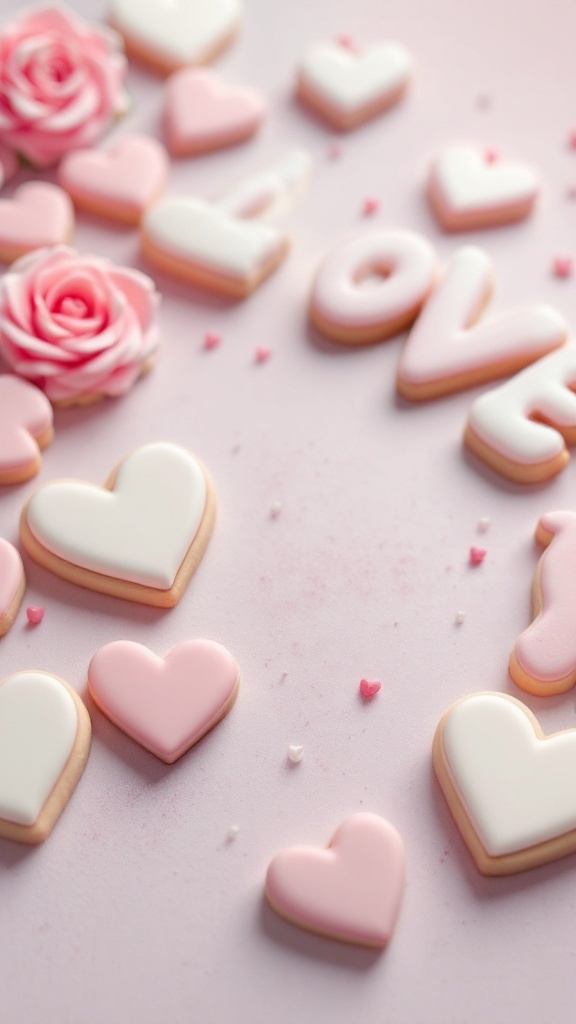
<point>372,286</point>
<point>167,36</point>
<point>203,113</point>
<point>351,891</point>
<point>45,737</point>
<point>447,351</point>
<point>543,660</point>
<point>12,585</point>
<point>139,537</point>
<point>347,88</point>
<point>119,183</point>
<point>512,790</point>
<point>25,429</point>
<point>468,191</point>
<point>165,704</point>
<point>38,214</point>
<point>522,427</point>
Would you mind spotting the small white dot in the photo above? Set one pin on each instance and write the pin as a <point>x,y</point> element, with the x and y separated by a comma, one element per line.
<point>459,618</point>
<point>295,754</point>
<point>233,831</point>
<point>484,524</point>
<point>275,509</point>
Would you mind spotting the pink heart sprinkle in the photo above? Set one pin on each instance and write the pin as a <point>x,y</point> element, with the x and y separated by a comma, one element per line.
<point>262,354</point>
<point>562,266</point>
<point>477,556</point>
<point>371,205</point>
<point>35,614</point>
<point>211,340</point>
<point>334,151</point>
<point>572,140</point>
<point>369,689</point>
<point>491,156</point>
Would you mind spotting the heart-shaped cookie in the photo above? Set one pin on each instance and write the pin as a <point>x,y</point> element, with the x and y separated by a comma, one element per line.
<point>202,113</point>
<point>351,891</point>
<point>120,183</point>
<point>205,246</point>
<point>511,790</point>
<point>168,36</point>
<point>45,736</point>
<point>25,428</point>
<point>12,585</point>
<point>348,88</point>
<point>140,537</point>
<point>165,704</point>
<point>468,191</point>
<point>38,214</point>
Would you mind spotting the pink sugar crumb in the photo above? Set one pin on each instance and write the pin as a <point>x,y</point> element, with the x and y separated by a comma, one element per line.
<point>334,151</point>
<point>370,206</point>
<point>491,155</point>
<point>35,614</point>
<point>369,689</point>
<point>262,355</point>
<point>211,340</point>
<point>477,555</point>
<point>562,266</point>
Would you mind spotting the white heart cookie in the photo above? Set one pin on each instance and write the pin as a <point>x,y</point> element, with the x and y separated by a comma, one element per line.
<point>140,537</point>
<point>175,33</point>
<point>44,743</point>
<point>466,191</point>
<point>511,790</point>
<point>349,88</point>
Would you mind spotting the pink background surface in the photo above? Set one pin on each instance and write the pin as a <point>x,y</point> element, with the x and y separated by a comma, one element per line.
<point>137,909</point>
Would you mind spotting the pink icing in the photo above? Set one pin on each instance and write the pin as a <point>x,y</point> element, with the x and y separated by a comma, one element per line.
<point>442,344</point>
<point>546,651</point>
<point>374,278</point>
<point>202,112</point>
<point>351,891</point>
<point>39,214</point>
<point>165,704</point>
<point>11,574</point>
<point>131,174</point>
<point>25,414</point>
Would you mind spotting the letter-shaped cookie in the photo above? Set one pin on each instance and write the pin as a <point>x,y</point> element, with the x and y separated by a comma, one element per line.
<point>372,286</point>
<point>543,660</point>
<point>445,352</point>
<point>505,426</point>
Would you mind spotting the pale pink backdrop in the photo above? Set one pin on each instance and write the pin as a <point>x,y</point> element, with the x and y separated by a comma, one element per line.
<point>137,910</point>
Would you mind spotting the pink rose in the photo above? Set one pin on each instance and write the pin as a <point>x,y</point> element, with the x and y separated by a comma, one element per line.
<point>75,325</point>
<point>61,83</point>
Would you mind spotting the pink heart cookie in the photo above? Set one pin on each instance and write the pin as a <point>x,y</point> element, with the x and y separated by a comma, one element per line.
<point>12,585</point>
<point>25,428</point>
<point>120,183</point>
<point>39,214</point>
<point>165,704</point>
<point>351,891</point>
<point>202,113</point>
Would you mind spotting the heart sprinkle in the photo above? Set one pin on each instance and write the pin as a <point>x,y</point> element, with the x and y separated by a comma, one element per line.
<point>491,156</point>
<point>334,151</point>
<point>211,340</point>
<point>35,614</point>
<point>477,555</point>
<point>295,754</point>
<point>370,206</point>
<point>562,266</point>
<point>262,355</point>
<point>369,689</point>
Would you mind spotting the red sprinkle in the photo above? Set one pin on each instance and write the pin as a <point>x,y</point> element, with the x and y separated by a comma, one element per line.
<point>369,689</point>
<point>35,614</point>
<point>491,156</point>
<point>477,556</point>
<point>371,205</point>
<point>211,340</point>
<point>562,266</point>
<point>262,355</point>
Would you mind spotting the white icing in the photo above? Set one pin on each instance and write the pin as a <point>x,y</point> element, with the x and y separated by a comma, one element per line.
<point>139,532</point>
<point>351,81</point>
<point>374,277</point>
<point>271,192</point>
<point>467,181</point>
<point>518,790</point>
<point>38,726</point>
<point>500,417</point>
<point>441,342</point>
<point>183,31</point>
<point>202,233</point>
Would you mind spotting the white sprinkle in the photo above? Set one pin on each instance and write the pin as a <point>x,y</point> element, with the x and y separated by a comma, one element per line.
<point>295,754</point>
<point>484,524</point>
<point>233,831</point>
<point>275,509</point>
<point>459,618</point>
